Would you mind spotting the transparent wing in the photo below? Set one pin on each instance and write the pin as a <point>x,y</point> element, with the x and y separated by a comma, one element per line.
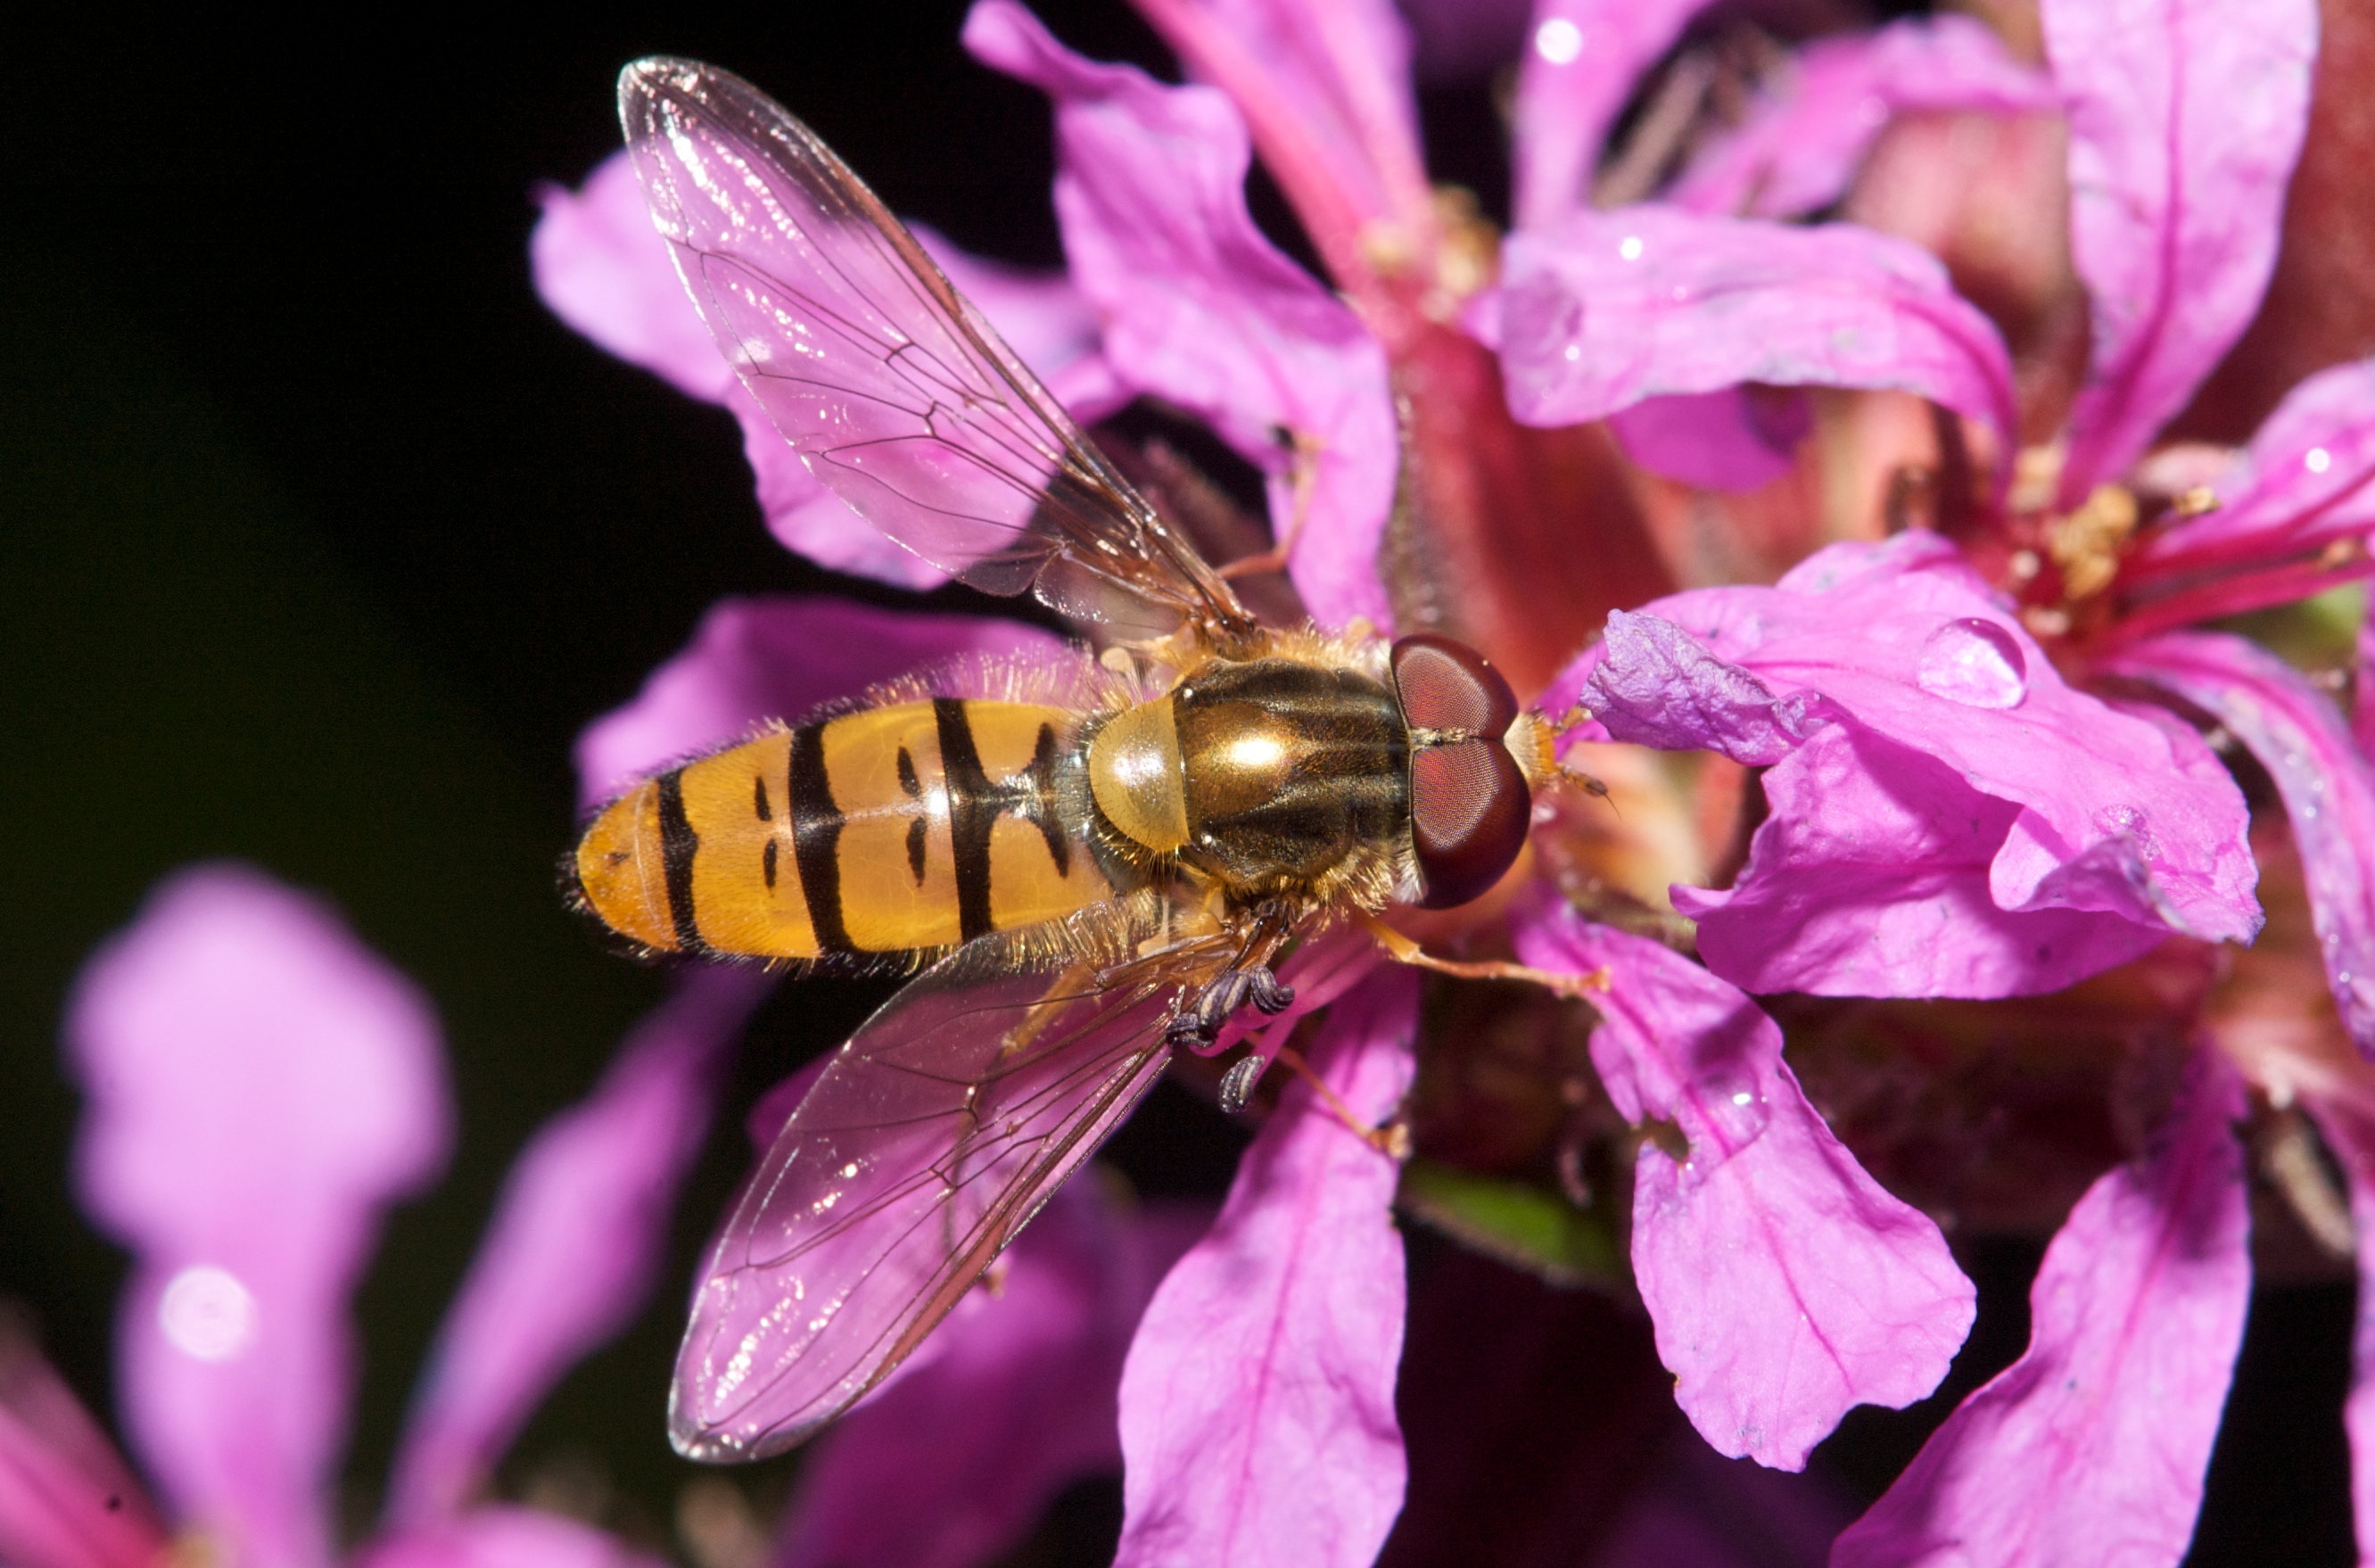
<point>891,385</point>
<point>938,1129</point>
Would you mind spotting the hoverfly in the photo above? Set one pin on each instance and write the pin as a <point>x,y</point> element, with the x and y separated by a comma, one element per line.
<point>1099,862</point>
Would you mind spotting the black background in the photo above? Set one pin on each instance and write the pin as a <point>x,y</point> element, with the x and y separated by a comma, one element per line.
<point>320,540</point>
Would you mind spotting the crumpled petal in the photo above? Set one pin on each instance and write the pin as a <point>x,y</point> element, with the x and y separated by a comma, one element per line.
<point>1581,61</point>
<point>2302,484</point>
<point>66,1499</point>
<point>2186,117</point>
<point>2300,737</point>
<point>1785,1286</point>
<point>1967,775</point>
<point>260,1086</point>
<point>1034,1363</point>
<point>1610,308</point>
<point>760,659</point>
<point>1736,439</point>
<point>1201,309</point>
<point>1800,146</point>
<point>504,1537</point>
<point>601,267</point>
<point>575,1238</point>
<point>1258,1403</point>
<point>2092,1447</point>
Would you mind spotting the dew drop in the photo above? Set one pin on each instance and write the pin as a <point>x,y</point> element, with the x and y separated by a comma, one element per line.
<point>1629,247</point>
<point>1976,663</point>
<point>1558,41</point>
<point>2131,823</point>
<point>209,1313</point>
<point>2317,460</point>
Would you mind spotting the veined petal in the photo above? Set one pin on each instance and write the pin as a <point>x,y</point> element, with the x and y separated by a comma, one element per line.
<point>1968,752</point>
<point>1785,1284</point>
<point>2300,737</point>
<point>1581,61</point>
<point>1800,146</point>
<point>503,1537</point>
<point>1199,308</point>
<point>2091,1448</point>
<point>260,1086</point>
<point>569,1257</point>
<point>2302,484</point>
<point>1610,308</point>
<point>601,266</point>
<point>2186,117</point>
<point>1034,1364</point>
<point>67,1500</point>
<point>1258,1402</point>
<point>756,660</point>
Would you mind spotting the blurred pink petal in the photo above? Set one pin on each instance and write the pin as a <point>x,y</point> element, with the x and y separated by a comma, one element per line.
<point>1736,439</point>
<point>761,659</point>
<point>2351,1138</point>
<point>2185,119</point>
<point>1646,301</point>
<point>1581,62</point>
<point>1801,146</point>
<point>260,1086</point>
<point>577,1235</point>
<point>1785,1285</point>
<point>2302,484</point>
<point>1258,1403</point>
<point>67,1500</point>
<point>2300,737</point>
<point>1034,1365</point>
<point>1973,776</point>
<point>601,267</point>
<point>1204,311</point>
<point>503,1537</point>
<point>2091,1448</point>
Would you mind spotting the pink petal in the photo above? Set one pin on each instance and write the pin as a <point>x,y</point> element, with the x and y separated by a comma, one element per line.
<point>2352,1140</point>
<point>1800,146</point>
<point>1967,776</point>
<point>261,1085</point>
<point>758,660</point>
<point>67,1500</point>
<point>1581,62</point>
<point>1646,301</point>
<point>570,1255</point>
<point>2300,737</point>
<point>2185,119</point>
<point>953,1464</point>
<point>504,1537</point>
<point>2091,1448</point>
<point>1258,1403</point>
<point>2302,485</point>
<point>1785,1285</point>
<point>1733,440</point>
<point>601,266</point>
<point>1202,310</point>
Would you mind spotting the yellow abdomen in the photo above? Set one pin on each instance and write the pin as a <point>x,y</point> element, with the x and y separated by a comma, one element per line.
<point>917,825</point>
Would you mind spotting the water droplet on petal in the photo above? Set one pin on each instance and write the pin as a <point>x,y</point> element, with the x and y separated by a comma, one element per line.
<point>1558,41</point>
<point>2317,460</point>
<point>1974,662</point>
<point>2131,823</point>
<point>208,1313</point>
<point>1629,247</point>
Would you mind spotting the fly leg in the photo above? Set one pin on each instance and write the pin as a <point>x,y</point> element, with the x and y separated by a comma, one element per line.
<point>1402,950</point>
<point>1248,978</point>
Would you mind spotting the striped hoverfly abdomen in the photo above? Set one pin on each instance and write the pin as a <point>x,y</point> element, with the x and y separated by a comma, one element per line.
<point>906,828</point>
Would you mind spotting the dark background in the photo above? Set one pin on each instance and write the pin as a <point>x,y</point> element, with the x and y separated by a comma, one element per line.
<point>320,540</point>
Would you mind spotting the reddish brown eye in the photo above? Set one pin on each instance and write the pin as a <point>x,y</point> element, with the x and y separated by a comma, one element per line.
<point>1449,685</point>
<point>1470,809</point>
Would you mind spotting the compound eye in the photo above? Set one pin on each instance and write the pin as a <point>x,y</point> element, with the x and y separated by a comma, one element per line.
<point>1470,809</point>
<point>1448,685</point>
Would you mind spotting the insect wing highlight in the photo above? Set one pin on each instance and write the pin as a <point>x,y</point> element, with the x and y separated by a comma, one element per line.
<point>894,389</point>
<point>938,1129</point>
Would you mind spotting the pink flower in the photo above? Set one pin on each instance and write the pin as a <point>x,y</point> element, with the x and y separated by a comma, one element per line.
<point>1960,802</point>
<point>261,1086</point>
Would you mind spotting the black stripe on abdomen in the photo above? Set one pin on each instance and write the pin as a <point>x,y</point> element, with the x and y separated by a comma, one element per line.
<point>679,845</point>
<point>816,839</point>
<point>973,812</point>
